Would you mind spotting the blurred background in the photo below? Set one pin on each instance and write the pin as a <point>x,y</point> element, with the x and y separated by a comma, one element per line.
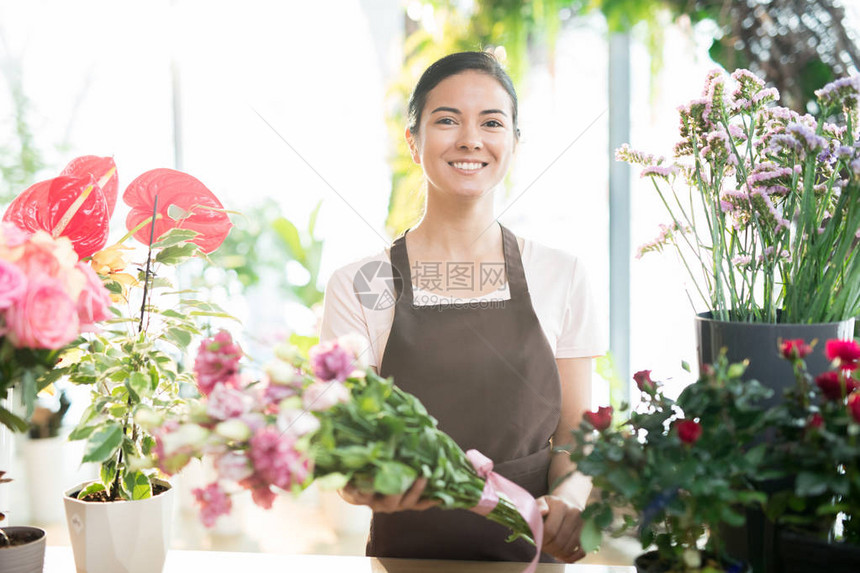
<point>292,113</point>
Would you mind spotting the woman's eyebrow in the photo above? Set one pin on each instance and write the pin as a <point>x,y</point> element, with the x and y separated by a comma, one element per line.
<point>458,112</point>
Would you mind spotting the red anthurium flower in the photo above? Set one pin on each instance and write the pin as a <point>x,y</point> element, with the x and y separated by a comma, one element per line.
<point>846,351</point>
<point>73,207</point>
<point>103,170</point>
<point>854,406</point>
<point>183,202</point>
<point>794,349</point>
<point>689,431</point>
<point>643,381</point>
<point>815,421</point>
<point>832,387</point>
<point>601,419</point>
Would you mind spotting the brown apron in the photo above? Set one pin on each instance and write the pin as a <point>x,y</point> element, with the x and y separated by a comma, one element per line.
<point>488,375</point>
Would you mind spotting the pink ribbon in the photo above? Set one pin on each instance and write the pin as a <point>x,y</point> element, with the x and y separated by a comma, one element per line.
<point>522,499</point>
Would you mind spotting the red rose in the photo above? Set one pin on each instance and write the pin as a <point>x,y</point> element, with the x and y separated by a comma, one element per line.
<point>854,406</point>
<point>601,419</point>
<point>643,381</point>
<point>794,349</point>
<point>689,431</point>
<point>815,421</point>
<point>831,384</point>
<point>846,351</point>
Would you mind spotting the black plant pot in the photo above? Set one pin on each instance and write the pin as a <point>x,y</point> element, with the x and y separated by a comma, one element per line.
<point>759,343</point>
<point>651,563</point>
<point>799,553</point>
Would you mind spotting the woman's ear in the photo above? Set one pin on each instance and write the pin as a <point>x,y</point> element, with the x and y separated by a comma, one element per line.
<point>413,146</point>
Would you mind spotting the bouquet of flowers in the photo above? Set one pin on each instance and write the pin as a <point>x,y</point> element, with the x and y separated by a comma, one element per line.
<point>764,203</point>
<point>816,443</point>
<point>675,469</point>
<point>328,420</point>
<point>47,299</point>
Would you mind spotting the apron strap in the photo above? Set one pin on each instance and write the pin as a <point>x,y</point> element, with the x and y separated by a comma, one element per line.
<point>513,267</point>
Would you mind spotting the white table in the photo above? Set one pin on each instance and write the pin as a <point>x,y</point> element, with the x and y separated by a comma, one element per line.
<point>60,560</point>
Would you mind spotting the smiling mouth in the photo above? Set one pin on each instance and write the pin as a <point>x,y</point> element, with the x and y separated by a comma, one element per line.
<point>467,165</point>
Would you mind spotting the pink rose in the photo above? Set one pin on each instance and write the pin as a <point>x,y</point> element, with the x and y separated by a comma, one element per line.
<point>601,419</point>
<point>689,431</point>
<point>847,352</point>
<point>795,349</point>
<point>213,502</point>
<point>854,406</point>
<point>12,235</point>
<point>44,255</point>
<point>45,318</point>
<point>94,300</point>
<point>330,361</point>
<point>13,284</point>
<point>217,362</point>
<point>321,396</point>
<point>225,403</point>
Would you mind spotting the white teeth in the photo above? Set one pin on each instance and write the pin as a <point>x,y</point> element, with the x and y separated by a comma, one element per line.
<point>467,166</point>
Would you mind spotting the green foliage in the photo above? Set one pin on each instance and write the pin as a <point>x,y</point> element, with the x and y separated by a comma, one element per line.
<point>676,489</point>
<point>136,365</point>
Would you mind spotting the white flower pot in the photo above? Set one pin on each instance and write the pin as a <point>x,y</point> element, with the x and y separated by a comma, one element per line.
<point>45,460</point>
<point>26,558</point>
<point>127,536</point>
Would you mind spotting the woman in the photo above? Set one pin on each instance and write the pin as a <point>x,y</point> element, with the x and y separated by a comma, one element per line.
<point>497,346</point>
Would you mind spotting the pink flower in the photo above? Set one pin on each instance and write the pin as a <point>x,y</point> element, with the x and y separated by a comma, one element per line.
<point>330,361</point>
<point>275,459</point>
<point>846,351</point>
<point>854,406</point>
<point>831,384</point>
<point>644,382</point>
<point>601,419</point>
<point>263,496</point>
<point>11,235</point>
<point>44,255</point>
<point>94,300</point>
<point>225,402</point>
<point>13,284</point>
<point>795,349</point>
<point>321,396</point>
<point>213,502</point>
<point>233,466</point>
<point>689,431</point>
<point>217,362</point>
<point>45,318</point>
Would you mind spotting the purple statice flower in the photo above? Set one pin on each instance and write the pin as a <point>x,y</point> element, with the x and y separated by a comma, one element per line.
<point>834,131</point>
<point>844,91</point>
<point>715,76</point>
<point>807,136</point>
<point>629,155</point>
<point>726,207</point>
<point>737,132</point>
<point>826,157</point>
<point>777,190</point>
<point>330,361</point>
<point>855,167</point>
<point>844,152</point>
<point>783,142</point>
<point>663,171</point>
<point>741,260</point>
<point>765,96</point>
<point>666,236</point>
<point>767,172</point>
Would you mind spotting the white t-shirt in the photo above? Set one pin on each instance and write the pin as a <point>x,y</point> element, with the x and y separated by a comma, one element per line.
<point>359,300</point>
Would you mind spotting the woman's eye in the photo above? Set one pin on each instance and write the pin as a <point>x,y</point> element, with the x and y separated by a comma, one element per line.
<point>493,123</point>
<point>446,121</point>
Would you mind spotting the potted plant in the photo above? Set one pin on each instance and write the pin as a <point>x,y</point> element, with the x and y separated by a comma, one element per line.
<point>817,446</point>
<point>22,549</point>
<point>134,364</point>
<point>44,454</point>
<point>675,469</point>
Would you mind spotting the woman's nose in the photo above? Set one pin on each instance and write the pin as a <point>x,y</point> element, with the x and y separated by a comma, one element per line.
<point>470,138</point>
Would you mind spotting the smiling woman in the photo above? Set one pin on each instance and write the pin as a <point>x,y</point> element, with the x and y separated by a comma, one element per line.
<point>509,376</point>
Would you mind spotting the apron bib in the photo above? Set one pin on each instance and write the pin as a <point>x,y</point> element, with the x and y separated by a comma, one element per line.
<point>488,375</point>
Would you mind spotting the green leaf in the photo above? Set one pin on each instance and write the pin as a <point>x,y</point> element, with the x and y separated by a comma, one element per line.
<point>180,336</point>
<point>12,421</point>
<point>393,478</point>
<point>591,536</point>
<point>82,433</point>
<point>103,443</point>
<point>108,472</point>
<point>288,233</point>
<point>176,254</point>
<point>332,481</point>
<point>92,488</point>
<point>174,237</point>
<point>137,485</point>
<point>139,384</point>
<point>809,484</point>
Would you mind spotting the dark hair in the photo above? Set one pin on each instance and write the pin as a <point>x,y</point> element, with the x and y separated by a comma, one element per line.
<point>452,65</point>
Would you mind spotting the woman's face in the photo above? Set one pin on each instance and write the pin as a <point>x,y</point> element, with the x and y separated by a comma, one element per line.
<point>465,139</point>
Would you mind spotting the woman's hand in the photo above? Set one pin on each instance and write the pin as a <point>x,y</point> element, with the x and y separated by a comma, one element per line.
<point>562,527</point>
<point>408,500</point>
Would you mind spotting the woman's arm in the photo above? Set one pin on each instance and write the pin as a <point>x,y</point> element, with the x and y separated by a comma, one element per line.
<point>562,507</point>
